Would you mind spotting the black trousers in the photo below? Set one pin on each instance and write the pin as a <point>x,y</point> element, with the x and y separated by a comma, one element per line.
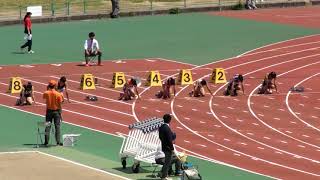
<point>55,116</point>
<point>27,44</point>
<point>92,54</point>
<point>115,8</point>
<point>174,160</point>
<point>167,164</point>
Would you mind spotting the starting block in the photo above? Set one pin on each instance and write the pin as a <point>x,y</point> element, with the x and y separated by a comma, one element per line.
<point>15,85</point>
<point>185,77</point>
<point>218,76</point>
<point>87,82</point>
<point>154,79</point>
<point>70,139</point>
<point>118,80</point>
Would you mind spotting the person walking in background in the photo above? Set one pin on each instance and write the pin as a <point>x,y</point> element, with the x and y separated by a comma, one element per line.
<point>28,33</point>
<point>115,9</point>
<point>53,100</point>
<point>166,138</point>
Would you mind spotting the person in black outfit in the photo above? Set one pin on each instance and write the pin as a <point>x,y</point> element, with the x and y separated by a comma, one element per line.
<point>166,138</point>
<point>115,9</point>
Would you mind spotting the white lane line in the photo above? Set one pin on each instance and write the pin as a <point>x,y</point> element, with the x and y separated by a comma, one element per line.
<point>260,115</point>
<point>215,104</point>
<point>305,136</point>
<point>245,111</point>
<point>281,110</point>
<point>179,106</point>
<point>224,117</point>
<point>265,137</point>
<point>301,105</point>
<point>301,146</point>
<point>186,118</point>
<point>285,142</point>
<point>210,135</point>
<point>297,113</point>
<point>250,134</point>
<point>225,139</point>
<point>256,124</point>
<point>70,111</point>
<point>239,120</point>
<point>86,104</point>
<point>209,113</point>
<point>218,126</point>
<point>317,108</point>
<point>236,154</point>
<point>80,92</point>
<point>261,148</point>
<point>230,108</point>
<point>305,97</point>
<point>202,122</point>
<point>144,107</point>
<point>236,99</point>
<point>289,132</point>
<point>266,106</point>
<point>309,89</point>
<point>197,134</point>
<point>220,150</point>
<point>271,98</point>
<point>165,102</point>
<point>315,117</point>
<point>247,84</point>
<point>179,127</point>
<point>158,110</point>
<point>194,109</point>
<point>292,122</point>
<point>277,152</point>
<point>186,141</point>
<point>276,118</point>
<point>244,144</point>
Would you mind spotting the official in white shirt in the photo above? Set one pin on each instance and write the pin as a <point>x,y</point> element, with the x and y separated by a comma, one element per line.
<point>91,48</point>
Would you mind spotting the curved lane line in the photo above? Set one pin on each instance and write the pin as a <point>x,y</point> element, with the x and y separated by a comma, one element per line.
<point>291,111</point>
<point>252,112</point>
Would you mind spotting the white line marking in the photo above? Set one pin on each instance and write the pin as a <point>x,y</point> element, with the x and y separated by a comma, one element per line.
<point>297,113</point>
<point>314,117</point>
<point>236,154</point>
<point>301,105</point>
<point>186,141</point>
<point>260,115</point>
<point>218,126</point>
<point>317,108</point>
<point>266,106</point>
<point>187,118</point>
<point>281,110</point>
<point>265,137</point>
<point>285,142</point>
<point>243,144</point>
<point>301,146</point>
<point>209,113</point>
<point>215,104</point>
<point>309,89</point>
<point>256,124</point>
<point>289,132</point>
<point>58,65</point>
<point>210,135</point>
<point>194,109</point>
<point>144,107</point>
<point>179,106</point>
<point>158,110</point>
<point>292,122</point>
<point>260,147</point>
<point>306,97</point>
<point>224,117</point>
<point>202,122</point>
<point>82,165</point>
<point>230,108</point>
<point>245,111</point>
<point>225,139</point>
<point>179,127</point>
<point>26,66</point>
<point>239,120</point>
<point>236,99</point>
<point>73,112</point>
<point>220,150</point>
<point>305,136</point>
<point>277,152</point>
<point>250,134</point>
<point>276,118</point>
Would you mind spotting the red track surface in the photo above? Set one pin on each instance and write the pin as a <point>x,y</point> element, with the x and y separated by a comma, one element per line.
<point>301,16</point>
<point>253,132</point>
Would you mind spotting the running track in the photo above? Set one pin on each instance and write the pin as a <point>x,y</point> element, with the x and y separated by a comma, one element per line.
<point>275,135</point>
